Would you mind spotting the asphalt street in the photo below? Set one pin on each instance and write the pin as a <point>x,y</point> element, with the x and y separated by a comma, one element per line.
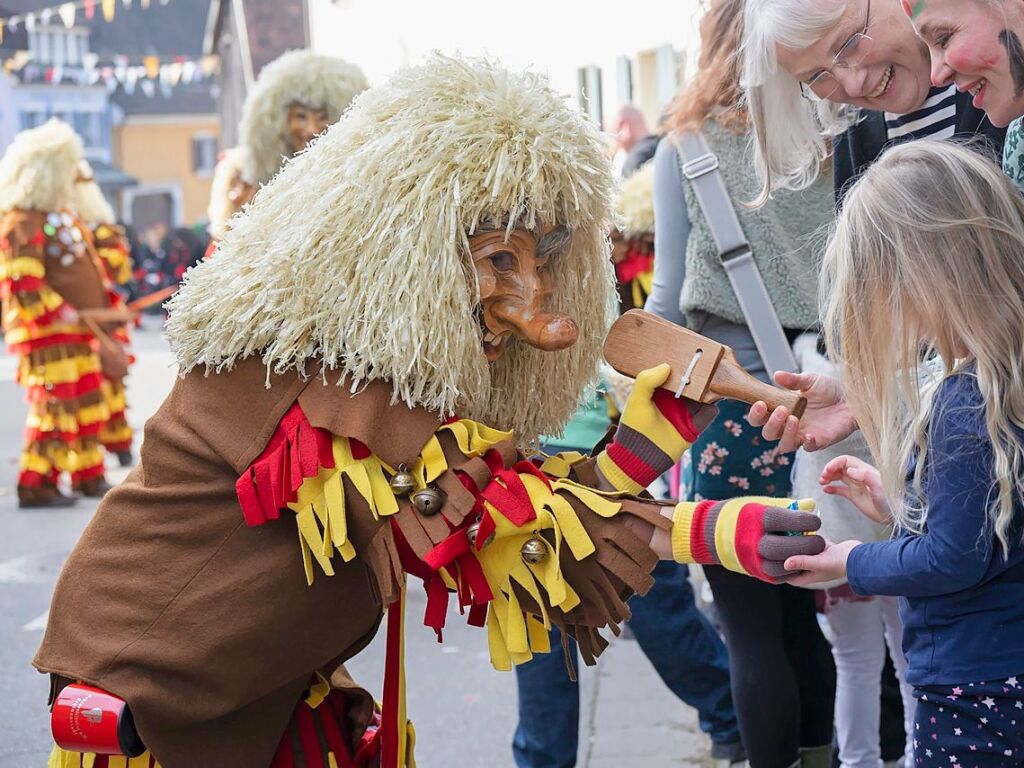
<point>464,711</point>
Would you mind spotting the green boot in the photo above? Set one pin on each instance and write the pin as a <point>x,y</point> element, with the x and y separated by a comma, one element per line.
<point>816,757</point>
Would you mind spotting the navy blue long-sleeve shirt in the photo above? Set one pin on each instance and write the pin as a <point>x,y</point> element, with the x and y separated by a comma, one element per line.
<point>962,601</point>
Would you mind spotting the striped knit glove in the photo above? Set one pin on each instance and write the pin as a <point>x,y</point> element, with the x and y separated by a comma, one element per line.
<point>655,429</point>
<point>751,535</point>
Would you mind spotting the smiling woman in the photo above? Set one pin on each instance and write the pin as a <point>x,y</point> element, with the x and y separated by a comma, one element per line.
<point>977,47</point>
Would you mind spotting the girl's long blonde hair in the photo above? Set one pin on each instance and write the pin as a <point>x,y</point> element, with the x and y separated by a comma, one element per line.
<point>923,277</point>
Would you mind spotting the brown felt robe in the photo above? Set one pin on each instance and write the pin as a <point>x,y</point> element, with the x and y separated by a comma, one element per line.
<point>207,627</point>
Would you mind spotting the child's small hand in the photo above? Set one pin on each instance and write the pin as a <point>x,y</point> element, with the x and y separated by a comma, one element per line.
<point>816,569</point>
<point>860,484</point>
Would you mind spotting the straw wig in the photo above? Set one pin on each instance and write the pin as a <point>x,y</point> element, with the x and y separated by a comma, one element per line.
<point>304,77</point>
<point>357,252</point>
<point>636,203</point>
<point>38,170</point>
<point>89,203</point>
<point>229,169</point>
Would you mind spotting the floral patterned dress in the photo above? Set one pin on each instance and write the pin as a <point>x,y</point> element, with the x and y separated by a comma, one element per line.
<point>730,458</point>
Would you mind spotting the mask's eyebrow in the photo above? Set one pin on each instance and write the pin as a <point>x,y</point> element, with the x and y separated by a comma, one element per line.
<point>554,241</point>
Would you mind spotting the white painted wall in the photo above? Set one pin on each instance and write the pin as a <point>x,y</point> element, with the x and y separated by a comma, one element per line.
<point>552,36</point>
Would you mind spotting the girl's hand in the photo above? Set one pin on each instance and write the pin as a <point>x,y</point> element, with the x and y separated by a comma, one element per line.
<point>826,421</point>
<point>860,484</point>
<point>815,569</point>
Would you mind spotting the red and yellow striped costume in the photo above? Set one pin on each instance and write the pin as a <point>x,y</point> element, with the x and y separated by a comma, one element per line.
<point>48,270</point>
<point>112,248</point>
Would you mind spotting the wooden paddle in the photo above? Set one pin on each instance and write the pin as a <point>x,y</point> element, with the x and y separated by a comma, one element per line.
<point>639,340</point>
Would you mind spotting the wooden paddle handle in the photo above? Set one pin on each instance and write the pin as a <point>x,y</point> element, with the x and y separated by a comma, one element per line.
<point>733,382</point>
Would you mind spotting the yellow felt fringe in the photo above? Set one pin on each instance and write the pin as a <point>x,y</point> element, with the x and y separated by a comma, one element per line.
<point>320,506</point>
<point>62,758</point>
<point>513,634</point>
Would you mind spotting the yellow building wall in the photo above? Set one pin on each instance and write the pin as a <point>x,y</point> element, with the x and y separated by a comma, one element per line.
<point>158,150</point>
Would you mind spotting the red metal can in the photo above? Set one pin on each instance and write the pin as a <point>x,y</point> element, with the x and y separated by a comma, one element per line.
<point>88,719</point>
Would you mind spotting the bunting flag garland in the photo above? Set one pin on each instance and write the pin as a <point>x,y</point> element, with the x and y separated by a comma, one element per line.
<point>67,12</point>
<point>154,74</point>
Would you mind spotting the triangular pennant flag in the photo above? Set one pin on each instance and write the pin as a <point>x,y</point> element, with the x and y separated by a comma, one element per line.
<point>46,16</point>
<point>1,31</point>
<point>188,71</point>
<point>174,72</point>
<point>147,88</point>
<point>126,3</point>
<point>90,9</point>
<point>67,14</point>
<point>109,7</point>
<point>30,22</point>
<point>131,77</point>
<point>152,65</point>
<point>145,3</point>
<point>12,23</point>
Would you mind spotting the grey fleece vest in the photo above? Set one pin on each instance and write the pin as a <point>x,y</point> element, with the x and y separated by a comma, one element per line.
<point>787,236</point>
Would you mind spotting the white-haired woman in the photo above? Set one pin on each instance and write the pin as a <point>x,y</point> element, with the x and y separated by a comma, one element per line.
<point>776,649</point>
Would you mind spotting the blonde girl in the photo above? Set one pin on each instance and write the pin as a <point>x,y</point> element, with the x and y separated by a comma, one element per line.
<point>924,312</point>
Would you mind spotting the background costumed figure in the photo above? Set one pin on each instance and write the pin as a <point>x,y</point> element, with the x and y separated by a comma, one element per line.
<point>50,275</point>
<point>445,245</point>
<point>115,253</point>
<point>633,240</point>
<point>293,100</point>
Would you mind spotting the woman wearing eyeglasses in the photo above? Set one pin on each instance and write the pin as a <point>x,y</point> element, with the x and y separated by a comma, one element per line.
<point>845,75</point>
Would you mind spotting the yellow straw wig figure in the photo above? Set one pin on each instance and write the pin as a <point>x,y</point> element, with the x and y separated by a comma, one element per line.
<point>384,208</point>
<point>38,169</point>
<point>311,79</point>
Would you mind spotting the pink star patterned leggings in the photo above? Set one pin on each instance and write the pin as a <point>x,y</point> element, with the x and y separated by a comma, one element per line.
<point>974,725</point>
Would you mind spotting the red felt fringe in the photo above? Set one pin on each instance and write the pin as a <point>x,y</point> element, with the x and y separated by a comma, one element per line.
<point>635,263</point>
<point>297,450</point>
<point>71,390</point>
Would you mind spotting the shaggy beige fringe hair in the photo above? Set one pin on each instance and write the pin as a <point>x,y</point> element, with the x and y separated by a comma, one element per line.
<point>317,81</point>
<point>357,252</point>
<point>89,203</point>
<point>221,208</point>
<point>927,264</point>
<point>38,170</point>
<point>635,203</point>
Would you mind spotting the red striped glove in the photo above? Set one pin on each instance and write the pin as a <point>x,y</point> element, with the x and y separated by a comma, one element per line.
<point>655,429</point>
<point>751,535</point>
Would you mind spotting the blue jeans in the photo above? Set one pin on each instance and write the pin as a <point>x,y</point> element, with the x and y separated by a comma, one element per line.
<point>681,644</point>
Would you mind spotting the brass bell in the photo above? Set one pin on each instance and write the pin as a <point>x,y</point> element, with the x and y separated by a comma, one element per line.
<point>534,551</point>
<point>402,482</point>
<point>428,501</point>
<point>473,532</point>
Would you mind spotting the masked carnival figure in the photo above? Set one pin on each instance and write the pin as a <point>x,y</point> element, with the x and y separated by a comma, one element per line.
<point>385,332</point>
<point>114,252</point>
<point>50,278</point>
<point>633,239</point>
<point>293,100</point>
